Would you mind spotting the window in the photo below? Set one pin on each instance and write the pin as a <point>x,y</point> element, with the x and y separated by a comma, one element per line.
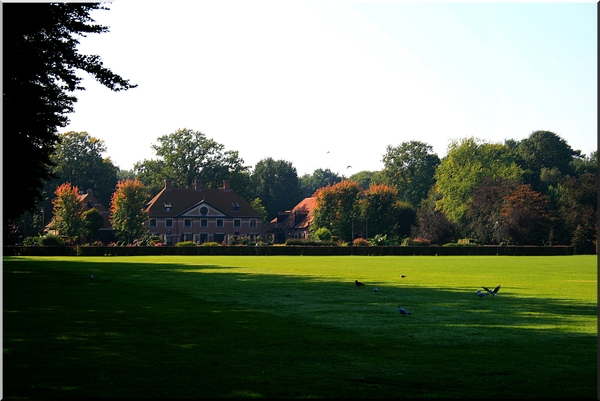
<point>187,237</point>
<point>169,222</point>
<point>235,206</point>
<point>219,222</point>
<point>237,223</point>
<point>187,222</point>
<point>167,206</point>
<point>203,210</point>
<point>253,223</point>
<point>152,222</point>
<point>203,222</point>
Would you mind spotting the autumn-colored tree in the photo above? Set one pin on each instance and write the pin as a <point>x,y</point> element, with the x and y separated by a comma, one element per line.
<point>483,215</point>
<point>525,216</point>
<point>127,210</point>
<point>337,207</point>
<point>67,211</point>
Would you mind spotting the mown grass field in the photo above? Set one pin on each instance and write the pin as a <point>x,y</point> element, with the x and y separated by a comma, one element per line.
<point>298,327</point>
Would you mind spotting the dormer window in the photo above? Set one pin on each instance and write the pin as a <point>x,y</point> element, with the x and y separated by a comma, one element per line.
<point>235,206</point>
<point>167,206</point>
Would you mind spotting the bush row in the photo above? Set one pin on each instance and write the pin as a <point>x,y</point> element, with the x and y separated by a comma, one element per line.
<point>286,250</point>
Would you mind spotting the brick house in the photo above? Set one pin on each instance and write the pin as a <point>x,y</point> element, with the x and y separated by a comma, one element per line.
<point>201,215</point>
<point>294,223</point>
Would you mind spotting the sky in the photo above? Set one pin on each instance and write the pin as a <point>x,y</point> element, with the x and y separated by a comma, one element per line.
<point>331,84</point>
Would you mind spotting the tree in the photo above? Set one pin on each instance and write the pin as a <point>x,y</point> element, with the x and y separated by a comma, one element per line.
<point>380,211</point>
<point>258,206</point>
<point>525,216</point>
<point>185,156</point>
<point>468,162</point>
<point>40,64</point>
<point>127,210</point>
<point>92,223</point>
<point>78,160</point>
<point>319,178</point>
<point>578,208</point>
<point>276,183</point>
<point>337,208</point>
<point>483,214</point>
<point>68,212</point>
<point>545,150</point>
<point>410,167</point>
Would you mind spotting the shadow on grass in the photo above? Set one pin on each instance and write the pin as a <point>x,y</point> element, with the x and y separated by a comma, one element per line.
<point>173,331</point>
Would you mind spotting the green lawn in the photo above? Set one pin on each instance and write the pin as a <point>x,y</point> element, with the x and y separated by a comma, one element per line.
<point>298,327</point>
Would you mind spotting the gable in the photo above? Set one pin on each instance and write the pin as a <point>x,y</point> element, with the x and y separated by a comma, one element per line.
<point>203,209</point>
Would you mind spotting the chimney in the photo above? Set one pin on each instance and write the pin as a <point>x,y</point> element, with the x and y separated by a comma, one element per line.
<point>168,185</point>
<point>198,185</point>
<point>226,185</point>
<point>90,191</point>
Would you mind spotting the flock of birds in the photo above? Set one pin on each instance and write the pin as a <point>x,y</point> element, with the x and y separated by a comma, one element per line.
<point>404,312</point>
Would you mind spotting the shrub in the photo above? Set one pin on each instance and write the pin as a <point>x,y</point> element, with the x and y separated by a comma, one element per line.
<point>51,240</point>
<point>416,242</point>
<point>212,243</point>
<point>323,234</point>
<point>360,242</point>
<point>379,240</point>
<point>185,243</point>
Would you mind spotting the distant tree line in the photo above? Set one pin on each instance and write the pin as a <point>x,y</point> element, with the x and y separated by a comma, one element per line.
<point>486,193</point>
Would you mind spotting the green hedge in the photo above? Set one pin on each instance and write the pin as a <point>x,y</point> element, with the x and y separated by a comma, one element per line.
<point>286,250</point>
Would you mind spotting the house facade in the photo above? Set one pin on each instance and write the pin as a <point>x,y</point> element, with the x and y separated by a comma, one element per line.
<point>201,215</point>
<point>294,223</point>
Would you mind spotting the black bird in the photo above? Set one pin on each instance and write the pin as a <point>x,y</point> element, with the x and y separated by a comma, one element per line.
<point>91,276</point>
<point>402,311</point>
<point>376,289</point>
<point>358,283</point>
<point>481,294</point>
<point>403,276</point>
<point>494,293</point>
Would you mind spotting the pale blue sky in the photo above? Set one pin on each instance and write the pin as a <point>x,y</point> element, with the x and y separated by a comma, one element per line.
<point>293,80</point>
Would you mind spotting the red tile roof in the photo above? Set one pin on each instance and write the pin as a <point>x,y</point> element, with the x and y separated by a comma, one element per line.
<point>182,200</point>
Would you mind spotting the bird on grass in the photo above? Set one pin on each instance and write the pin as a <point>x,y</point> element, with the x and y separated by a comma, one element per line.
<point>481,294</point>
<point>403,311</point>
<point>91,276</point>
<point>402,276</point>
<point>358,283</point>
<point>376,289</point>
<point>494,292</point>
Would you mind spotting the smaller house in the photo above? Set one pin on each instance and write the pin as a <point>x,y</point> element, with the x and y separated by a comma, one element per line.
<point>201,215</point>
<point>294,223</point>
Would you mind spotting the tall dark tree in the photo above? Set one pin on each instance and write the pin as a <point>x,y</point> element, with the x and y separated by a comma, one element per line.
<point>410,167</point>
<point>545,150</point>
<point>40,63</point>
<point>276,184</point>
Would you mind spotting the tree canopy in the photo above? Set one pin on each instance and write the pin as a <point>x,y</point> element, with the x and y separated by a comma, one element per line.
<point>40,63</point>
<point>185,156</point>
<point>468,162</point>
<point>410,167</point>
